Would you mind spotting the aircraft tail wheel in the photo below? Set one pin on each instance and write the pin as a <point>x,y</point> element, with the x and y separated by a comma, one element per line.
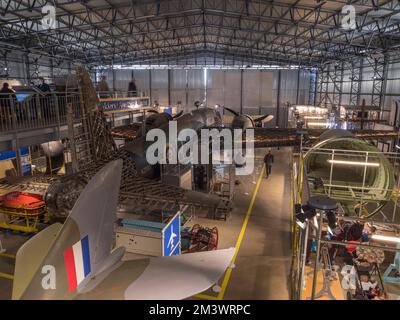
<point>216,288</point>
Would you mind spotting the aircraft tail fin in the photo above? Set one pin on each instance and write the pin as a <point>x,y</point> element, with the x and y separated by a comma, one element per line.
<point>29,257</point>
<point>83,244</point>
<point>94,213</point>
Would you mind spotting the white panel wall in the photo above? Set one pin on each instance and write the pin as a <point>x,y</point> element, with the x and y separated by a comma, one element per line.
<point>122,78</point>
<point>178,87</point>
<point>215,87</point>
<point>159,86</point>
<point>288,86</point>
<point>255,91</point>
<point>251,91</point>
<point>392,85</point>
<point>142,80</point>
<point>232,89</point>
<point>196,90</point>
<point>266,88</point>
<point>304,87</point>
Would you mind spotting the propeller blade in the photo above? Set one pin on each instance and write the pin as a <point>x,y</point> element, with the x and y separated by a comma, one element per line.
<point>266,117</point>
<point>232,111</point>
<point>178,114</point>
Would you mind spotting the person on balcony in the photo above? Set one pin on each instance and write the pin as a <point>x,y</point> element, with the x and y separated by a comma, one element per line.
<point>7,95</point>
<point>6,89</point>
<point>44,87</point>
<point>132,89</point>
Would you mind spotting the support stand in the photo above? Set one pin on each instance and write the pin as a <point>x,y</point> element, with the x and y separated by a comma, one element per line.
<point>327,274</point>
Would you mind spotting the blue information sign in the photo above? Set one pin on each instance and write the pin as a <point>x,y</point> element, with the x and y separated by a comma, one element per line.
<point>171,237</point>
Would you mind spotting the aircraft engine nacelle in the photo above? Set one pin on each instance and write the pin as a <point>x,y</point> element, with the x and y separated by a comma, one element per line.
<point>61,195</point>
<point>156,120</point>
<point>242,122</point>
<point>245,121</point>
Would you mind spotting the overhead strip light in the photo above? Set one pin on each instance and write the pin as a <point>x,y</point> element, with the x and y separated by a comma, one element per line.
<point>355,163</point>
<point>385,238</point>
<point>322,124</point>
<point>314,117</point>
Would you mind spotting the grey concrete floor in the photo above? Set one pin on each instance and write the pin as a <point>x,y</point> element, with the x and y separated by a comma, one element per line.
<point>11,242</point>
<point>263,263</point>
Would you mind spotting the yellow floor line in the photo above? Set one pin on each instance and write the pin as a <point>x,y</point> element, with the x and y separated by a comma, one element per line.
<point>6,276</point>
<point>206,297</point>
<point>237,246</point>
<point>7,255</point>
<point>240,238</point>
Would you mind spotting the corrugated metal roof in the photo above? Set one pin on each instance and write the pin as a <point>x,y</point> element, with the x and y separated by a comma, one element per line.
<point>99,32</point>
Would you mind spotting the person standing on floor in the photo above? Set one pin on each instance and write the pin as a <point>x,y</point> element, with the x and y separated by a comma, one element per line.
<point>268,160</point>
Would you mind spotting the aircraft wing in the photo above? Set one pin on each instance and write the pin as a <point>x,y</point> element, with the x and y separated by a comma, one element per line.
<point>129,132</point>
<point>370,134</point>
<point>162,278</point>
<point>268,137</point>
<point>264,137</point>
<point>276,137</point>
<point>151,195</point>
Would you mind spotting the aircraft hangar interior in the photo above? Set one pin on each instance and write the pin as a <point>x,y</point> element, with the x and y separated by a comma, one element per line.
<point>199,150</point>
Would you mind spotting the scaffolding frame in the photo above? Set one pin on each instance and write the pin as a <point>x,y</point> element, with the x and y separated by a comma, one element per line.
<point>360,191</point>
<point>300,234</point>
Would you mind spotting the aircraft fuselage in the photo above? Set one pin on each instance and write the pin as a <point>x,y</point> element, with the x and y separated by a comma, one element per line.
<point>195,120</point>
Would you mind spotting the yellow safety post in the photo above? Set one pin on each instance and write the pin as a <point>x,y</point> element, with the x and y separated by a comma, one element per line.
<point>6,275</point>
<point>23,220</point>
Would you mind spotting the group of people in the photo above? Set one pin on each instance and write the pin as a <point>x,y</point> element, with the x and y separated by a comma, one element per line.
<point>351,255</point>
<point>8,99</point>
<point>104,90</point>
<point>353,233</point>
<point>7,90</point>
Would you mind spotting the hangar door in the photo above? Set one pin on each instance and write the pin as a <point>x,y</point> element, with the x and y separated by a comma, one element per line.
<point>250,94</point>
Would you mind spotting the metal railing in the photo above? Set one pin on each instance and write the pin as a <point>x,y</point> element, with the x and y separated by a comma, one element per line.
<point>121,94</point>
<point>27,111</point>
<point>380,166</point>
